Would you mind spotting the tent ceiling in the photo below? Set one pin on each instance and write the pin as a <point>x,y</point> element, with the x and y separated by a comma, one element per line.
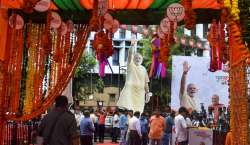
<point>135,17</point>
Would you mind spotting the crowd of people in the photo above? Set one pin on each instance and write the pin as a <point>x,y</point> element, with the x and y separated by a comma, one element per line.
<point>135,128</point>
<point>125,126</point>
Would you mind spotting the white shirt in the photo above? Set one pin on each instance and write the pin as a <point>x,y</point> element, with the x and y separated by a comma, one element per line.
<point>188,121</point>
<point>189,102</point>
<point>79,117</point>
<point>93,117</point>
<point>134,124</point>
<point>116,121</point>
<point>180,128</point>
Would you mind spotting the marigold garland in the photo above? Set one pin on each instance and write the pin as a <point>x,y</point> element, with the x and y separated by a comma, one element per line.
<point>82,36</point>
<point>233,8</point>
<point>39,73</point>
<point>28,101</point>
<point>238,82</point>
<point>190,16</point>
<point>213,38</point>
<point>224,49</point>
<point>11,67</point>
<point>17,72</point>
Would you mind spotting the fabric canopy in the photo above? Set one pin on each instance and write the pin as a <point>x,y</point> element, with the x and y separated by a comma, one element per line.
<point>205,4</point>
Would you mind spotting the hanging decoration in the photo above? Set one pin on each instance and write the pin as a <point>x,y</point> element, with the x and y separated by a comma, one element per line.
<point>103,39</point>
<point>232,6</point>
<point>42,5</point>
<point>224,49</point>
<point>213,38</point>
<point>16,24</point>
<point>175,12</point>
<point>28,5</point>
<point>163,38</point>
<point>190,16</point>
<point>51,52</point>
<point>155,44</point>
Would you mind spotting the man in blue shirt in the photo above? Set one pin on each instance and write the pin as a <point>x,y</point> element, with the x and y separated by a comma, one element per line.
<point>168,131</point>
<point>144,128</point>
<point>86,129</point>
<point>123,126</point>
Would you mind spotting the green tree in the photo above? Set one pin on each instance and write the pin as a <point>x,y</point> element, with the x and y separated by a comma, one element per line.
<point>86,82</point>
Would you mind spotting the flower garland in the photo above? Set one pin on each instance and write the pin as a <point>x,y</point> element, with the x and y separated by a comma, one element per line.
<point>224,49</point>
<point>14,66</point>
<point>102,41</point>
<point>28,100</point>
<point>39,73</point>
<point>213,38</point>
<point>238,97</point>
<point>103,48</point>
<point>17,72</point>
<point>46,38</point>
<point>190,16</point>
<point>82,36</point>
<point>11,66</point>
<point>233,8</point>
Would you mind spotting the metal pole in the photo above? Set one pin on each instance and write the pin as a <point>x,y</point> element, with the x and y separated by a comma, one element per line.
<point>119,72</point>
<point>119,90</point>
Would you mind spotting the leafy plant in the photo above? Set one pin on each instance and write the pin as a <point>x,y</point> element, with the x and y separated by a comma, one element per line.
<point>85,81</point>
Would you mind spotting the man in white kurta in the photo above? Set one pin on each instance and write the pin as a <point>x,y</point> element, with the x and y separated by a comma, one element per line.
<point>188,98</point>
<point>132,96</point>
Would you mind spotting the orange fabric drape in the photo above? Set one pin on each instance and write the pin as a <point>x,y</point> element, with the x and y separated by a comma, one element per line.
<point>205,4</point>
<point>3,30</point>
<point>118,4</point>
<point>16,4</point>
<point>87,4</point>
<point>53,6</point>
<point>144,4</point>
<point>132,4</point>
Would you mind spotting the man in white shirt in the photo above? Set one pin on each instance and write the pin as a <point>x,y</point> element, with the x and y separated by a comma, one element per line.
<point>94,118</point>
<point>181,127</point>
<point>78,115</point>
<point>134,128</point>
<point>188,98</point>
<point>116,127</point>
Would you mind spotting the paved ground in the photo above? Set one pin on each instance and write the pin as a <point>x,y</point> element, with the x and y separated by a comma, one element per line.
<point>106,142</point>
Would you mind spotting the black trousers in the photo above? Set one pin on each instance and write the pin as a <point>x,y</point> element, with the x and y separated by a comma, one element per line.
<point>144,138</point>
<point>115,133</point>
<point>134,138</point>
<point>96,132</point>
<point>183,143</point>
<point>101,132</point>
<point>86,139</point>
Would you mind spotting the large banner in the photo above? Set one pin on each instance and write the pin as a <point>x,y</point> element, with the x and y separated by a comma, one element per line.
<point>200,137</point>
<point>207,83</point>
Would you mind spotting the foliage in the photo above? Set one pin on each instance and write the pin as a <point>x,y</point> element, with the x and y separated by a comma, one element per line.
<point>85,82</point>
<point>87,63</point>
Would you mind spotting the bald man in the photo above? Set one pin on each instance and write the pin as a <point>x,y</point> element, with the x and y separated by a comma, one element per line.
<point>188,98</point>
<point>216,106</point>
